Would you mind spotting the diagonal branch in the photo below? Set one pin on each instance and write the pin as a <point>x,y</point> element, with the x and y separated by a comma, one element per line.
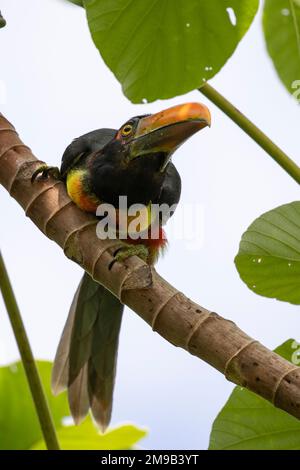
<point>182,322</point>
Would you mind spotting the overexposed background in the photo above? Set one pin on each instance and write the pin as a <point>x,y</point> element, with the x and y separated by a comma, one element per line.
<point>53,87</point>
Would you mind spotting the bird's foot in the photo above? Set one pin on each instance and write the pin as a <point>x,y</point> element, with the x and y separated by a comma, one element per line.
<point>44,171</point>
<point>128,250</point>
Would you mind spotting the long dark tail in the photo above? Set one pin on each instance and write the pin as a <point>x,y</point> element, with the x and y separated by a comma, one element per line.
<point>85,361</point>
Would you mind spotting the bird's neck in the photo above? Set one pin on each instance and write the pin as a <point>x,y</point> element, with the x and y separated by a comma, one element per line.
<point>140,180</point>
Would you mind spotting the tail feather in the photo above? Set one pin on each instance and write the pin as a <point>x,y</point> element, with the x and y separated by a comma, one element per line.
<point>100,394</point>
<point>86,358</point>
<point>102,363</point>
<point>60,370</point>
<point>78,395</point>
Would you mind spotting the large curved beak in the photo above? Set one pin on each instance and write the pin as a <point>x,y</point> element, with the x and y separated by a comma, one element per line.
<point>167,130</point>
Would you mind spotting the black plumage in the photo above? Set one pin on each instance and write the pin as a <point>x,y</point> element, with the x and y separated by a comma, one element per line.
<point>103,165</point>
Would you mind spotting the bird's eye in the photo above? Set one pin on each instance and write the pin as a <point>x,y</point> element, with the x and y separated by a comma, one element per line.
<point>127,129</point>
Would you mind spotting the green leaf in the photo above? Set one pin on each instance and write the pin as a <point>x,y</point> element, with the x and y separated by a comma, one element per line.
<point>77,2</point>
<point>248,422</point>
<point>289,350</point>
<point>268,260</point>
<point>2,21</point>
<point>159,48</point>
<point>86,437</point>
<point>281,23</point>
<point>19,425</point>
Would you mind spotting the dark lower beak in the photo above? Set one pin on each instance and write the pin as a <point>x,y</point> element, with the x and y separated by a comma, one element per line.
<point>167,130</point>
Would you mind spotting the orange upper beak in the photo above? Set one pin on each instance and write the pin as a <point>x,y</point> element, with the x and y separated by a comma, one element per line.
<point>167,130</point>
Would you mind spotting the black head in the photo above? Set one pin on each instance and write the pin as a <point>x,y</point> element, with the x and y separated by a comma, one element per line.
<point>134,162</point>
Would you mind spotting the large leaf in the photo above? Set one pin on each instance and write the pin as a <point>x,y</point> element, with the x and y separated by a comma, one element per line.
<point>86,437</point>
<point>160,48</point>
<point>268,260</point>
<point>247,421</point>
<point>76,2</point>
<point>2,21</point>
<point>289,350</point>
<point>281,22</point>
<point>19,425</point>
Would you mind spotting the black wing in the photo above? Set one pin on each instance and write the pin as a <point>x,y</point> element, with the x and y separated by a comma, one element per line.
<point>170,192</point>
<point>84,145</point>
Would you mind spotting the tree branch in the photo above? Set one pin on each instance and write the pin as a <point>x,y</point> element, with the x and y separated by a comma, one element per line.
<point>182,322</point>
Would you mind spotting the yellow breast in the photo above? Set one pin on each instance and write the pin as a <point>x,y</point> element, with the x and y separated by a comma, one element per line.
<point>122,222</point>
<point>76,191</point>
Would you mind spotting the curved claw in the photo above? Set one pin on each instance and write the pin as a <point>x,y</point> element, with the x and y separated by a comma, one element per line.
<point>126,251</point>
<point>45,171</point>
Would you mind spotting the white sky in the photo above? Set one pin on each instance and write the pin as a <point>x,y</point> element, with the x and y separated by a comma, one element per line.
<point>54,87</point>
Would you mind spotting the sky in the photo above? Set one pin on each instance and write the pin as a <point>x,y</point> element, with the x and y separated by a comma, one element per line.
<point>54,86</point>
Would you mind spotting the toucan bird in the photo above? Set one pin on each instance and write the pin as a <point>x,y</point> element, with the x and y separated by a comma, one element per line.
<point>99,167</point>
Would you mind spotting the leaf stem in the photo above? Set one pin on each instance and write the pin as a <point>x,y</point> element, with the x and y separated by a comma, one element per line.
<point>34,381</point>
<point>252,130</point>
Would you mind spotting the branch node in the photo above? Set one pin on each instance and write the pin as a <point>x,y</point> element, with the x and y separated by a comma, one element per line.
<point>54,213</point>
<point>69,242</point>
<point>12,147</point>
<point>199,322</point>
<point>23,172</point>
<point>235,355</point>
<point>113,244</point>
<point>138,278</point>
<point>9,129</point>
<point>160,309</point>
<point>4,152</point>
<point>35,198</point>
<point>277,386</point>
